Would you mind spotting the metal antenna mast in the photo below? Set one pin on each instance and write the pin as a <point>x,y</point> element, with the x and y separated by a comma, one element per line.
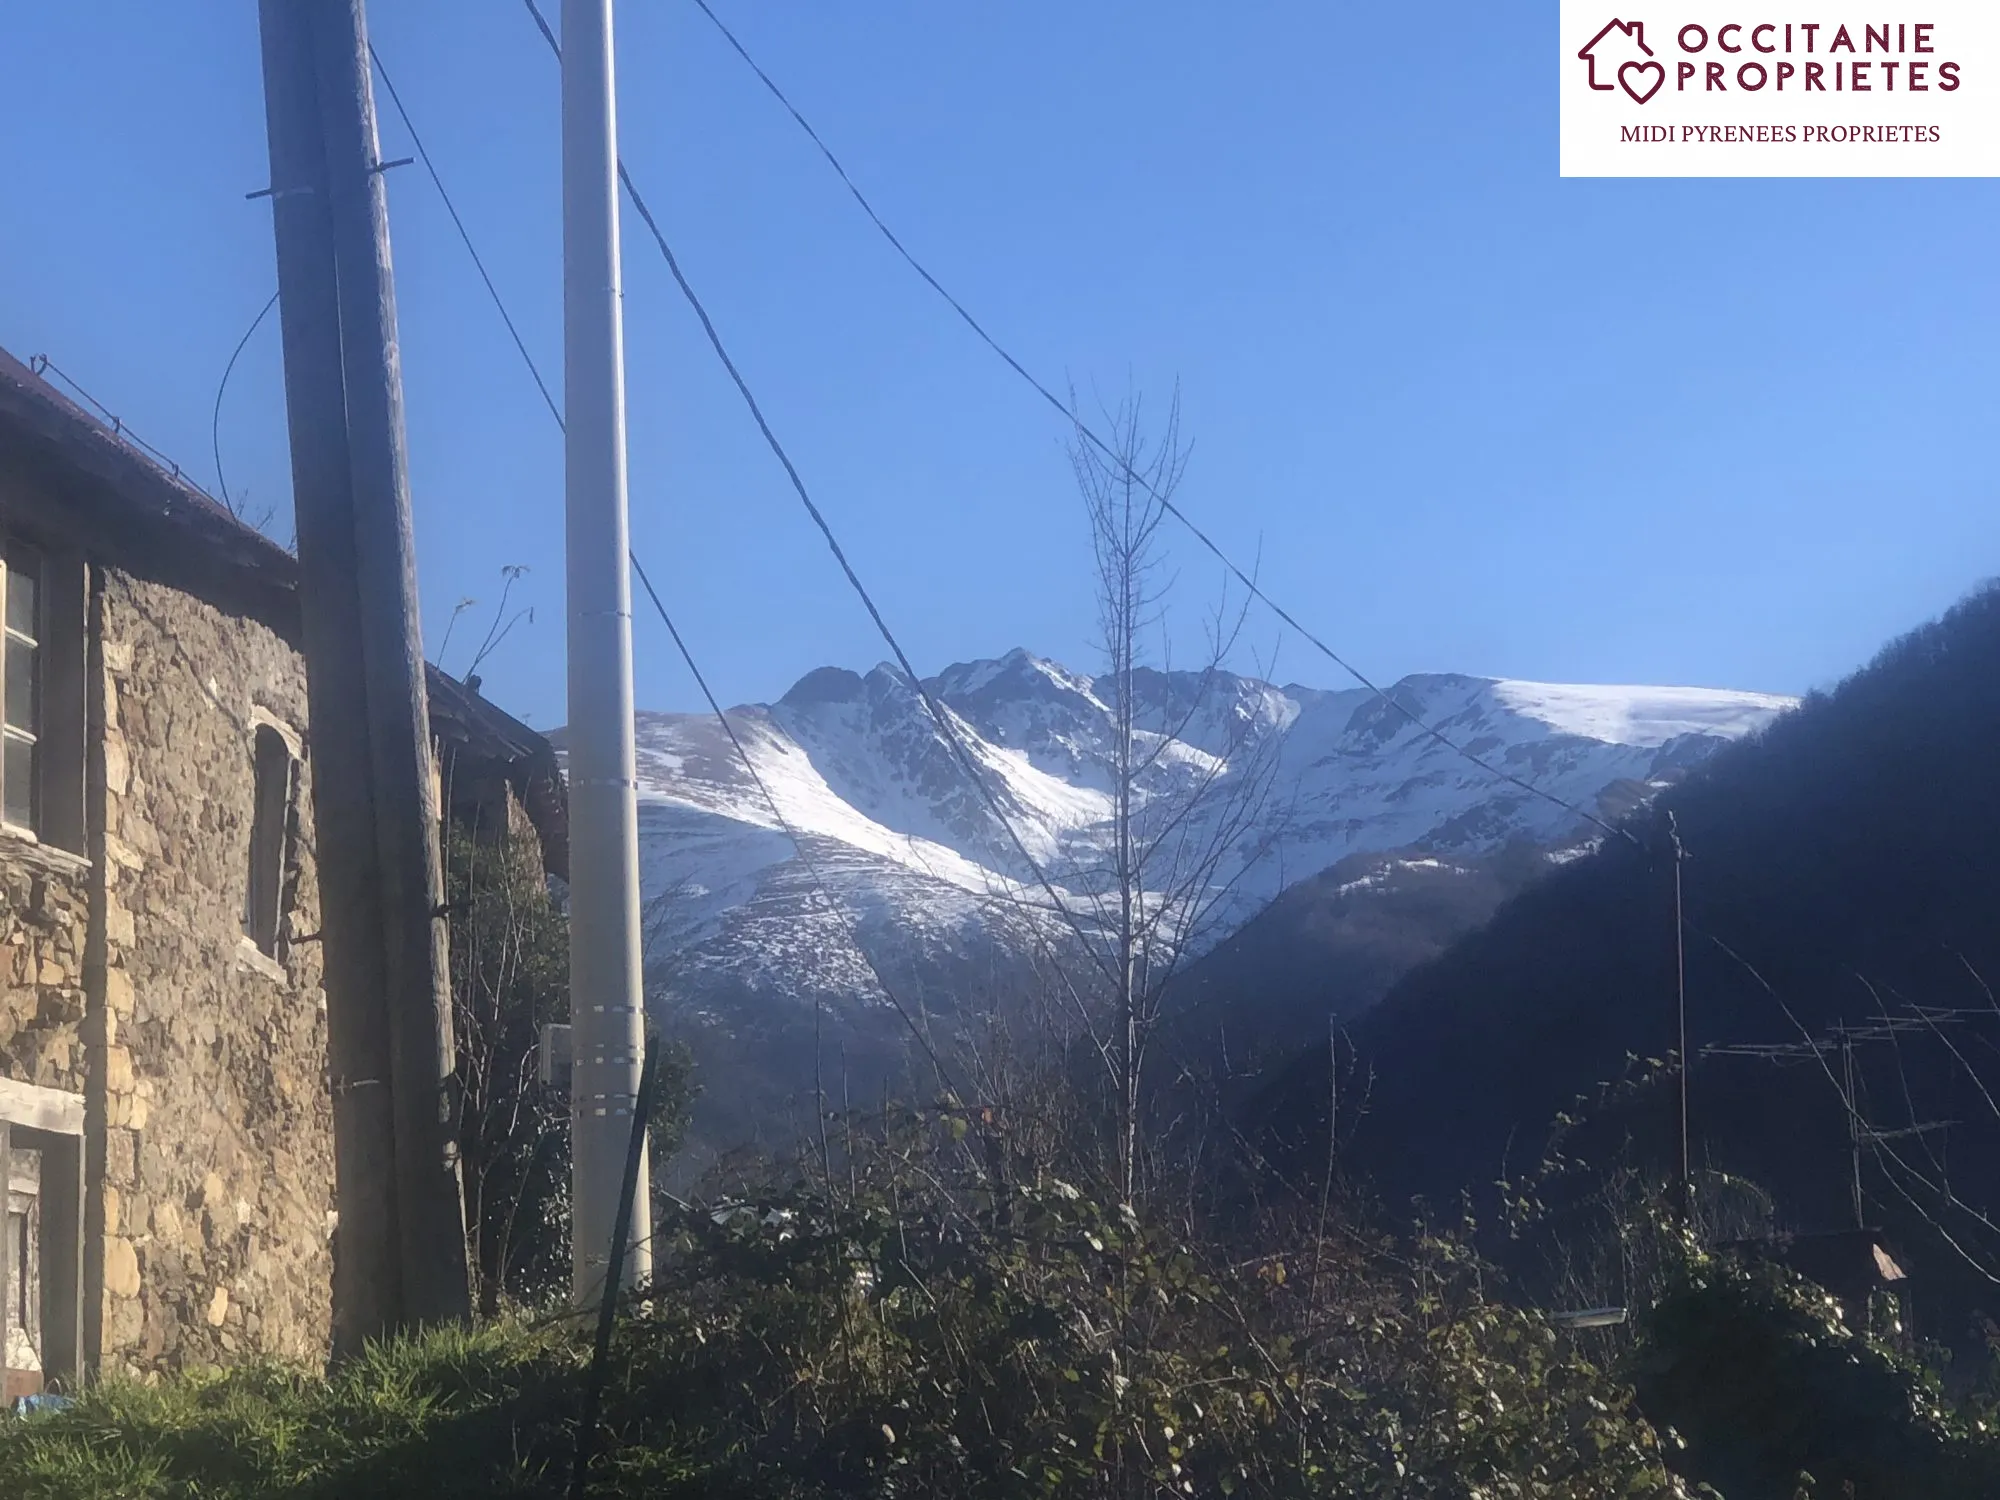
<point>1840,1041</point>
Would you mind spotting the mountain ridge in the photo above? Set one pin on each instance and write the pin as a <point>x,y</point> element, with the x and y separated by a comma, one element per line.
<point>854,759</point>
<point>913,860</point>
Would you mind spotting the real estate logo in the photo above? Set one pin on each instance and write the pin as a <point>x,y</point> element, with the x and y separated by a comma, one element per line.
<point>1703,90</point>
<point>1640,80</point>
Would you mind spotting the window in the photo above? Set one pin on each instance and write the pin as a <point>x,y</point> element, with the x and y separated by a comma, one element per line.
<point>21,1237</point>
<point>43,648</point>
<point>41,1238</point>
<point>21,689</point>
<point>270,840</point>
<point>20,1188</point>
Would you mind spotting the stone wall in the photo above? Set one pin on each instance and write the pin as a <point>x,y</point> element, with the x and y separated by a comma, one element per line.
<point>44,919</point>
<point>209,1120</point>
<point>126,977</point>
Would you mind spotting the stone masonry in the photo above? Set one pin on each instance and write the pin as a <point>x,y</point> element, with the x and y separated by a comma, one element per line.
<point>125,977</point>
<point>44,919</point>
<point>162,1035</point>
<point>217,1154</point>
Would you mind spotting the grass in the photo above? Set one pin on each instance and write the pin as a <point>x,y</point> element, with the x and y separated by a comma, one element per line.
<point>454,1412</point>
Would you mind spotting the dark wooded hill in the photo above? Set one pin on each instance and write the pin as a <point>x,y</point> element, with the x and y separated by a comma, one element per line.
<point>1851,855</point>
<point>1330,947</point>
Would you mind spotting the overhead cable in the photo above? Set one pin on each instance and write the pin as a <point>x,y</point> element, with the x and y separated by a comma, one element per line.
<point>941,716</point>
<point>834,907</point>
<point>1089,435</point>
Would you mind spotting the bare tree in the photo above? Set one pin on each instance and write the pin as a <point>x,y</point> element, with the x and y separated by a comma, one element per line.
<point>510,980</point>
<point>1186,819</point>
<point>669,925</point>
<point>510,953</point>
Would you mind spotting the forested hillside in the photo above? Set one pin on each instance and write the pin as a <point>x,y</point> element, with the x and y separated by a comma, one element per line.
<point>1840,870</point>
<point>1330,947</point>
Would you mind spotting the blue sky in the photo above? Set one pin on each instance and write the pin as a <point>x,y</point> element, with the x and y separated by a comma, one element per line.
<point>1471,417</point>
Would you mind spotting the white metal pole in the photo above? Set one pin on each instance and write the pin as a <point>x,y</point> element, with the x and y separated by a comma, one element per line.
<point>608,1026</point>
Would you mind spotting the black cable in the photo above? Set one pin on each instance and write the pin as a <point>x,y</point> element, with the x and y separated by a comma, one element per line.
<point>940,715</point>
<point>614,1272</point>
<point>947,729</point>
<point>547,35</point>
<point>798,843</point>
<point>41,364</point>
<point>791,833</point>
<point>1084,431</point>
<point>1882,1148</point>
<point>459,224</point>
<point>215,419</point>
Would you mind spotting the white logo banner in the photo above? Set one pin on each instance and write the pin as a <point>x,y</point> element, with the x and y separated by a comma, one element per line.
<point>1882,88</point>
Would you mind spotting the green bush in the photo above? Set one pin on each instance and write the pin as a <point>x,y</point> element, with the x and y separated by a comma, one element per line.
<point>915,1331</point>
<point>1755,1370</point>
<point>855,1348</point>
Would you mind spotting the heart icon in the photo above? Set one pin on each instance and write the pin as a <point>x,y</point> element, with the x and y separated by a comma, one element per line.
<point>1651,70</point>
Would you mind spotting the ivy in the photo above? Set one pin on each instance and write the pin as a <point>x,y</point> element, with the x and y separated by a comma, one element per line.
<point>1775,1396</point>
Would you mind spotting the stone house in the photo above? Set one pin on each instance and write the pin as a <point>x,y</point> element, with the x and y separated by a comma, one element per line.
<point>166,1152</point>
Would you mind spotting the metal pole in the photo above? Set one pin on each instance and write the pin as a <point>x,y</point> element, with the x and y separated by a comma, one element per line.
<point>430,1206</point>
<point>367,1272</point>
<point>608,1024</point>
<point>1853,1124</point>
<point>1681,1018</point>
<point>607,1307</point>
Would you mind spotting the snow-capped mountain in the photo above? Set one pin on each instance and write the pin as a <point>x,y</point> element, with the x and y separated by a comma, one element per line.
<point>754,943</point>
<point>904,842</point>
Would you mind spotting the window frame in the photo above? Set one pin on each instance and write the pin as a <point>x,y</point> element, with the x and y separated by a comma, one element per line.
<point>50,1122</point>
<point>20,1259</point>
<point>13,551</point>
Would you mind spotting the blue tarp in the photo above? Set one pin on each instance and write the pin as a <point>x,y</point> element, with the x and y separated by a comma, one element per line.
<point>28,1406</point>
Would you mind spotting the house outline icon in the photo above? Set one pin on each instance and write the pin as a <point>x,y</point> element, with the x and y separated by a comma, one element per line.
<point>1636,30</point>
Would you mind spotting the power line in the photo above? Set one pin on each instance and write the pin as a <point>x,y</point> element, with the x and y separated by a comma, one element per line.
<point>471,249</point>
<point>41,364</point>
<point>1817,1053</point>
<point>835,908</point>
<point>947,728</point>
<point>940,715</point>
<point>215,418</point>
<point>1084,431</point>
<point>791,833</point>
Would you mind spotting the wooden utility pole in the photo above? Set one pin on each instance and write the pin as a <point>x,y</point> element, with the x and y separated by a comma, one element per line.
<point>400,1257</point>
<point>430,1205</point>
<point>367,1270</point>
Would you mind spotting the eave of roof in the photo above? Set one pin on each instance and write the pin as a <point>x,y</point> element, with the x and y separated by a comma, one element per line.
<point>482,727</point>
<point>118,486</point>
<point>125,502</point>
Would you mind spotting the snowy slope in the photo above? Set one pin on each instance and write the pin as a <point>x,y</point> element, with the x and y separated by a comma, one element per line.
<point>859,770</point>
<point>1643,716</point>
<point>753,943</point>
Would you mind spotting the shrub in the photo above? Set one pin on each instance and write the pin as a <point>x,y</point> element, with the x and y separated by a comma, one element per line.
<point>1754,1368</point>
<point>914,1330</point>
